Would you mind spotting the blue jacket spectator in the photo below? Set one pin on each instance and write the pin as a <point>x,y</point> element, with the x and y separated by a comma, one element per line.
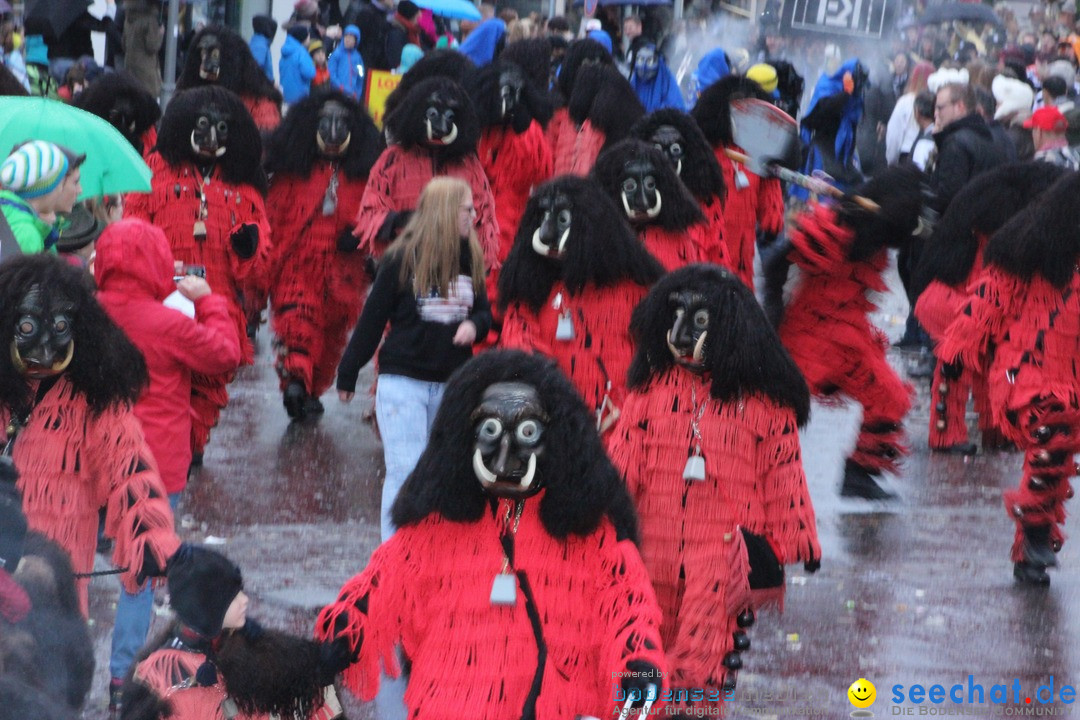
<point>265,27</point>
<point>713,66</point>
<point>484,42</point>
<point>296,68</point>
<point>651,79</point>
<point>346,64</point>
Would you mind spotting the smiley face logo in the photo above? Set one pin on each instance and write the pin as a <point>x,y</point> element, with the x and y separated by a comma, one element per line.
<point>862,693</point>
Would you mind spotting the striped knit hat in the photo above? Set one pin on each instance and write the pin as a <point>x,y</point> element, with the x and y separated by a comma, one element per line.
<point>34,169</point>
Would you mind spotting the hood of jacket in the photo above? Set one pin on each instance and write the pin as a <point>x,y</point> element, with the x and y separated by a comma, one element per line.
<point>292,47</point>
<point>133,258</point>
<point>264,25</point>
<point>355,32</point>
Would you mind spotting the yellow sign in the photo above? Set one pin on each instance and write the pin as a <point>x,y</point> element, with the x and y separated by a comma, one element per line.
<point>380,83</point>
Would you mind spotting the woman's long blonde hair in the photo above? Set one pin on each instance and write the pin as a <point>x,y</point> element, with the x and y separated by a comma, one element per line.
<point>430,245</point>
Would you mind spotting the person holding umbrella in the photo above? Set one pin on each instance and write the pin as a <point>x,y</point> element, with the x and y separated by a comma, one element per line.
<point>37,180</point>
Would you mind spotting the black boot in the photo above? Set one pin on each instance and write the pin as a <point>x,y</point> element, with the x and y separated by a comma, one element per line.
<point>313,406</point>
<point>860,483</point>
<point>1030,574</point>
<point>294,399</point>
<point>1037,548</point>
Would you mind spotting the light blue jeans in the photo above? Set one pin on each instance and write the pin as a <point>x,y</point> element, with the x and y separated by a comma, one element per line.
<point>133,614</point>
<point>405,409</point>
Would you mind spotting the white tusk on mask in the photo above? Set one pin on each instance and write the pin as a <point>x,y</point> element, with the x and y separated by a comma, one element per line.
<point>449,139</point>
<point>526,481</point>
<point>430,135</point>
<point>678,167</point>
<point>562,240</point>
<point>626,205</point>
<point>485,476</point>
<point>538,245</point>
<point>655,209</point>
<point>699,347</point>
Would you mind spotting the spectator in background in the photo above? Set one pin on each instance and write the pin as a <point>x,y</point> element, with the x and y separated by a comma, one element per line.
<point>39,180</point>
<point>923,148</point>
<point>1014,101</point>
<point>11,55</point>
<point>74,83</point>
<point>1048,127</point>
<point>903,130</point>
<point>78,231</point>
<point>403,29</point>
<point>965,145</point>
<point>346,64</point>
<point>322,72</point>
<point>295,68</point>
<point>37,67</point>
<point>631,28</point>
<point>143,38</point>
<point>409,55</point>
<point>985,105</point>
<point>370,18</point>
<point>265,27</point>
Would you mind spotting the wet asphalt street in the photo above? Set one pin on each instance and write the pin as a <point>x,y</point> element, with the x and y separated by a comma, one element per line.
<point>917,591</point>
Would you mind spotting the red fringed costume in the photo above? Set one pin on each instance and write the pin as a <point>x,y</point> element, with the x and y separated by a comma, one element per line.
<point>173,205</point>
<point>601,349</point>
<point>72,462</point>
<point>429,586</point>
<point>574,150</point>
<point>1027,333</point>
<point>318,291</point>
<point>828,334</point>
<point>395,184</point>
<point>938,305</point>
<point>758,205</point>
<point>678,248</point>
<point>690,539</point>
<point>264,111</point>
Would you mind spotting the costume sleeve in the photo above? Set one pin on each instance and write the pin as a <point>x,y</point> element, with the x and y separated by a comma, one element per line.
<point>770,206</point>
<point>487,226</point>
<point>626,442</point>
<point>252,273</point>
<point>587,146</point>
<point>369,614</point>
<point>969,338</point>
<point>209,344</point>
<point>377,202</point>
<point>266,114</point>
<point>789,514</point>
<point>629,614</point>
<point>138,516</point>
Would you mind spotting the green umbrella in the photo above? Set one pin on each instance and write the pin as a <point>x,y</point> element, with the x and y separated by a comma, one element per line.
<point>112,165</point>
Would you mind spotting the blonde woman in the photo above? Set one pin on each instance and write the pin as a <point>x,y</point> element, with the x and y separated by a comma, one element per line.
<point>430,288</point>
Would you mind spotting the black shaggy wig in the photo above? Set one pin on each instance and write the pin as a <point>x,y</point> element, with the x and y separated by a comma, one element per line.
<point>713,109</point>
<point>981,207</point>
<point>483,88</point>
<point>743,353</point>
<point>267,672</point>
<point>605,98</point>
<point>581,485</point>
<point>601,250</point>
<point>406,123</point>
<point>101,96</point>
<point>678,209</point>
<point>437,63</point>
<point>1044,238</point>
<point>52,646</point>
<point>899,193</point>
<point>580,53</point>
<point>701,173</point>
<point>239,71</point>
<point>293,150</point>
<point>106,367</point>
<point>241,163</point>
<point>533,56</point>
<point>20,700</point>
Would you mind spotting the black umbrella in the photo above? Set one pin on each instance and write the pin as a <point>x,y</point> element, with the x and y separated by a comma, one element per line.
<point>962,11</point>
<point>57,15</point>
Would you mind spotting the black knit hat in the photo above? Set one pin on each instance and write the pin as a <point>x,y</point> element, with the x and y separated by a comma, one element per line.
<point>77,229</point>
<point>408,9</point>
<point>299,32</point>
<point>202,585</point>
<point>12,520</point>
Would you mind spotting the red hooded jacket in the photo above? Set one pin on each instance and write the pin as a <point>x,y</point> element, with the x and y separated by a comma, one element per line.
<point>134,273</point>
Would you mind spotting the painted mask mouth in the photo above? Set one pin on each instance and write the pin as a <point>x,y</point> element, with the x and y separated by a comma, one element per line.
<point>37,371</point>
<point>689,357</point>
<point>207,150</point>
<point>447,139</point>
<point>504,484</point>
<point>542,248</point>
<point>638,215</point>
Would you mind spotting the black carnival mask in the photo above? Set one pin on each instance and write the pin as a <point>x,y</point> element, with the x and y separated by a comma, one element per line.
<point>670,141</point>
<point>640,196</point>
<point>689,328</point>
<point>44,342</point>
<point>333,134</point>
<point>210,134</point>
<point>509,425</point>
<point>550,238</point>
<point>439,121</point>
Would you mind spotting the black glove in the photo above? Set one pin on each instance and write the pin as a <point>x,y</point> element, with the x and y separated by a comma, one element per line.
<point>765,569</point>
<point>765,239</point>
<point>245,240</point>
<point>150,568</point>
<point>952,371</point>
<point>639,676</point>
<point>334,657</point>
<point>392,226</point>
<point>371,267</point>
<point>812,566</point>
<point>251,631</point>
<point>346,241</point>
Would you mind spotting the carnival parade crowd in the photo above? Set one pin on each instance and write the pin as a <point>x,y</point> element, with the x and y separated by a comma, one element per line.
<point>598,312</point>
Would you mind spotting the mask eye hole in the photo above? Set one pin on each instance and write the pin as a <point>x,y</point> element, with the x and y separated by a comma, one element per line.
<point>490,429</point>
<point>676,149</point>
<point>528,432</point>
<point>27,327</point>
<point>60,326</point>
<point>202,123</point>
<point>701,319</point>
<point>564,218</point>
<point>432,113</point>
<point>222,127</point>
<point>629,185</point>
<point>649,183</point>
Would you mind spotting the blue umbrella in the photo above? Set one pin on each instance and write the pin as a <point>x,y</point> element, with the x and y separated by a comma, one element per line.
<point>454,9</point>
<point>579,3</point>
